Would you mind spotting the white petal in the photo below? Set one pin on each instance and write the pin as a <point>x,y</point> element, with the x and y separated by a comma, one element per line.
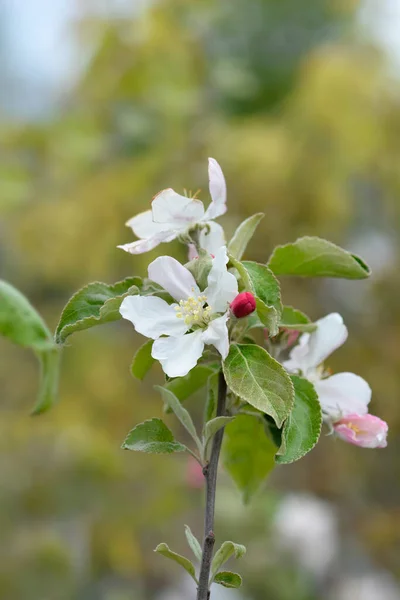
<point>222,285</point>
<point>143,225</point>
<point>152,316</point>
<point>217,191</point>
<point>314,348</point>
<point>170,207</point>
<point>330,334</point>
<point>173,277</point>
<point>217,335</point>
<point>140,246</point>
<point>178,355</point>
<point>213,239</point>
<point>298,354</point>
<point>343,394</point>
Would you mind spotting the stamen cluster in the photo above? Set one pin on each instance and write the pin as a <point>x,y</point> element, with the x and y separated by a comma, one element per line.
<point>194,311</point>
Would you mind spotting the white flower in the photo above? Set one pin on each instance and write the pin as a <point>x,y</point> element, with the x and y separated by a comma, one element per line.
<point>172,215</point>
<point>197,318</point>
<point>340,394</point>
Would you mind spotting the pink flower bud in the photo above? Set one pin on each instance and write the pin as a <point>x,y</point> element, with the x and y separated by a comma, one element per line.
<point>366,431</point>
<point>244,304</point>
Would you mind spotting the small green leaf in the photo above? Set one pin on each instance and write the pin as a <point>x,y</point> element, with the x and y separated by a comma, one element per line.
<point>194,543</point>
<point>152,436</point>
<point>256,377</point>
<point>268,317</point>
<point>264,283</point>
<point>228,579</point>
<point>94,304</point>
<point>183,387</point>
<point>213,426</point>
<point>20,322</point>
<point>292,318</point>
<point>243,235</point>
<point>172,401</point>
<point>302,428</point>
<point>315,257</point>
<point>227,550</point>
<point>181,560</point>
<point>260,280</point>
<point>248,454</point>
<point>142,361</point>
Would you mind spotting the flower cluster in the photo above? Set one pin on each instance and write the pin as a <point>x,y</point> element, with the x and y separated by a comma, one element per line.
<point>194,317</point>
<point>344,397</point>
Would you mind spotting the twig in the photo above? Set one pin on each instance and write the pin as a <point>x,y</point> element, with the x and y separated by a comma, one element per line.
<point>210,472</point>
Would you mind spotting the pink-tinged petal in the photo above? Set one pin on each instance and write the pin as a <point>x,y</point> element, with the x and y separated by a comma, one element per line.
<point>176,210</point>
<point>178,355</point>
<point>366,431</point>
<point>141,246</point>
<point>192,252</point>
<point>343,394</point>
<point>144,227</point>
<point>222,286</point>
<point>152,316</point>
<point>173,277</point>
<point>217,191</point>
<point>298,356</point>
<point>217,335</point>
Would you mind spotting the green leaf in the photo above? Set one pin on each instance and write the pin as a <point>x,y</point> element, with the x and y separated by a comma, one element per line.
<point>142,361</point>
<point>243,235</point>
<point>172,401</point>
<point>181,560</point>
<point>194,543</point>
<point>227,550</point>
<point>152,436</point>
<point>20,322</point>
<point>292,318</point>
<point>183,387</point>
<point>248,454</point>
<point>213,426</point>
<point>264,283</point>
<point>260,280</point>
<point>256,377</point>
<point>228,579</point>
<point>302,428</point>
<point>268,317</point>
<point>49,377</point>
<point>315,257</point>
<point>94,304</point>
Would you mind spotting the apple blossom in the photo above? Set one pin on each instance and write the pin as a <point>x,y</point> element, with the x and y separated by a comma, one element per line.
<point>339,394</point>
<point>366,431</point>
<point>344,397</point>
<point>172,215</point>
<point>196,319</point>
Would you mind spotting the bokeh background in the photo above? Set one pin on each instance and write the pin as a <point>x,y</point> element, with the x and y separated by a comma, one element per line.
<point>102,104</point>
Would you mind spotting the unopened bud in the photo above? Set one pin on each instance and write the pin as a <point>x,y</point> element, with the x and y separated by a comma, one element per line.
<point>244,304</point>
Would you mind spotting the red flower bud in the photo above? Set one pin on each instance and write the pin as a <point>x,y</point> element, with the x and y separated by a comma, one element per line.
<point>243,305</point>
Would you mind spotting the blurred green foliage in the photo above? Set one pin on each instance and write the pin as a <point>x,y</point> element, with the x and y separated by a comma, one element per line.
<point>304,118</point>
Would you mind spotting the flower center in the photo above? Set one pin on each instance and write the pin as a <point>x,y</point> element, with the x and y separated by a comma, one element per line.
<point>193,312</point>
<point>351,425</point>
